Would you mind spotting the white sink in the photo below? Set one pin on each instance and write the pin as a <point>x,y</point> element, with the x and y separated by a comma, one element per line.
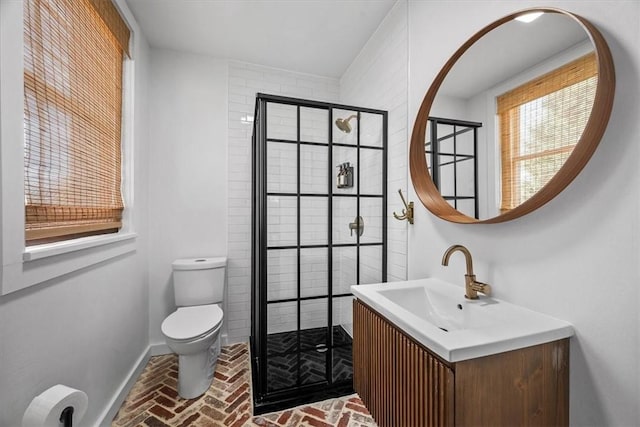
<point>436,314</point>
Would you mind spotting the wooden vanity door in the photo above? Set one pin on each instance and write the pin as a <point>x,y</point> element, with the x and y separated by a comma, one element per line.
<point>525,387</point>
<point>403,384</point>
<point>400,383</point>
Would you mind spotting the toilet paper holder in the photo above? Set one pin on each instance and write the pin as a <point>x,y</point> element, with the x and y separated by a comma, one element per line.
<point>58,405</point>
<point>66,417</point>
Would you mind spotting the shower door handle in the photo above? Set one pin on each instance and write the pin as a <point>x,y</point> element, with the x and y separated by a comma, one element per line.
<point>357,224</point>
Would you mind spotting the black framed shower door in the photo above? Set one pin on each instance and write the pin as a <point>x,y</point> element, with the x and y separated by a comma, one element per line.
<point>319,201</point>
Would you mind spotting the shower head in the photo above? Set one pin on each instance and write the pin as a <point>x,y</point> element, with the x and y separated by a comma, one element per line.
<point>343,124</point>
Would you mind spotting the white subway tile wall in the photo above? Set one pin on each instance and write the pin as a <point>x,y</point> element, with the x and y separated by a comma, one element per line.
<point>281,316</point>
<point>282,168</point>
<point>313,169</point>
<point>344,269</point>
<point>282,274</point>
<point>378,78</point>
<point>313,314</point>
<point>282,223</point>
<point>314,274</point>
<point>371,166</point>
<point>342,313</point>
<point>371,213</point>
<point>314,125</point>
<point>245,80</point>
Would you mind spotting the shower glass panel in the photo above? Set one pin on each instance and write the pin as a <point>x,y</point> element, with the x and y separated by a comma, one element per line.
<point>370,258</point>
<point>344,269</point>
<point>319,199</point>
<point>314,274</point>
<point>313,169</point>
<point>282,275</point>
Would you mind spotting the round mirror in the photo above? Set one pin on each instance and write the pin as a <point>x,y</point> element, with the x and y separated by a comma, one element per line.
<point>512,117</point>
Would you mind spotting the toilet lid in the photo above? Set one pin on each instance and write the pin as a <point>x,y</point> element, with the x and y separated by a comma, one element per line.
<point>191,322</point>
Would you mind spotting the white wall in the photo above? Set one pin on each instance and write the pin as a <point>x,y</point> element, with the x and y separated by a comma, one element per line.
<point>86,329</point>
<point>188,169</point>
<point>577,257</point>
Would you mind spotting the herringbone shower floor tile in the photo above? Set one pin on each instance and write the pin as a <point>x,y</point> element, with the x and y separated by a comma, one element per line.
<point>154,402</point>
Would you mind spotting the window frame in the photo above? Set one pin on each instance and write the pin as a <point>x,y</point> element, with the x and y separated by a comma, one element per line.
<point>24,266</point>
<point>508,119</point>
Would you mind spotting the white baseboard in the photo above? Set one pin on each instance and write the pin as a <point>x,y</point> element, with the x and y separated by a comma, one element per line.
<point>159,349</point>
<point>114,406</point>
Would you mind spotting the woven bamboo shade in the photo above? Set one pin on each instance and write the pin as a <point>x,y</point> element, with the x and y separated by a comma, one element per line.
<point>72,113</point>
<point>540,124</point>
<point>114,22</point>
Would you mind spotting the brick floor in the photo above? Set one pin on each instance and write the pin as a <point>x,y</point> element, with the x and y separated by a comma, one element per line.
<point>154,402</point>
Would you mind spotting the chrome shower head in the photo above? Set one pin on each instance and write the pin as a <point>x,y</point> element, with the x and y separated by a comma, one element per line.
<point>343,124</point>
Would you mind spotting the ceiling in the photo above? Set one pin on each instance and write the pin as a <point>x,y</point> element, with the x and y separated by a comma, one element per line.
<point>509,50</point>
<point>319,37</point>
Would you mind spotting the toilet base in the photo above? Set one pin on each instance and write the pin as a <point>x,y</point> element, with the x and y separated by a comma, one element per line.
<point>195,371</point>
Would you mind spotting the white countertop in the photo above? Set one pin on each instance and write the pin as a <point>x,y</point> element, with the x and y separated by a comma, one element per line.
<point>436,314</point>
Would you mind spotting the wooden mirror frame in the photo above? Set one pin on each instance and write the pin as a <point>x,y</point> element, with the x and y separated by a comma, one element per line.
<point>426,190</point>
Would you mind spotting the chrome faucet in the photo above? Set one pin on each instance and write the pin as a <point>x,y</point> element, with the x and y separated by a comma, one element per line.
<point>471,285</point>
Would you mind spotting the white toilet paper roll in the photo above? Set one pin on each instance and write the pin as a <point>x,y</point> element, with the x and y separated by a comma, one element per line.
<point>46,408</point>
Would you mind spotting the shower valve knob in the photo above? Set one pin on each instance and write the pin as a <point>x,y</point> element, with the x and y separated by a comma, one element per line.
<point>357,224</point>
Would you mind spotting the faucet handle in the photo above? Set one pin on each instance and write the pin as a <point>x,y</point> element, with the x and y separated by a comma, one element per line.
<point>484,288</point>
<point>358,225</point>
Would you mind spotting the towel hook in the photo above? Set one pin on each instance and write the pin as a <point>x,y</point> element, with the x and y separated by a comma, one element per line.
<point>407,212</point>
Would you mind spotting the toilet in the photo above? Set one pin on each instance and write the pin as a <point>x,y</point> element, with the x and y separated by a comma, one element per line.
<point>193,330</point>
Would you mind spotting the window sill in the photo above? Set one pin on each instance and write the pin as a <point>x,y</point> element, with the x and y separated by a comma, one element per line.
<point>45,262</point>
<point>33,253</point>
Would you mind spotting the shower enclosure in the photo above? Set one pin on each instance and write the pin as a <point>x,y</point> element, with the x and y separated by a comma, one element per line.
<point>318,226</point>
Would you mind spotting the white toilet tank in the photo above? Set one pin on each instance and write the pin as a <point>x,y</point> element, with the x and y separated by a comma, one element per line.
<point>199,281</point>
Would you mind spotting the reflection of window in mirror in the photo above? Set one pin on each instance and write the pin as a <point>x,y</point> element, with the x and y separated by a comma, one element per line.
<point>541,121</point>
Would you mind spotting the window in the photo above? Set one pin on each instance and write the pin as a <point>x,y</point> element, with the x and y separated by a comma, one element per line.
<point>540,124</point>
<point>73,66</point>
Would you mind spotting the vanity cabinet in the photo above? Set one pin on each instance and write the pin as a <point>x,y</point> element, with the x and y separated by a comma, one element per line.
<point>402,383</point>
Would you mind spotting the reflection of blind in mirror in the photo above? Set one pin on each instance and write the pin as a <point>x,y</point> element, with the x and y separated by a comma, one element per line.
<point>541,122</point>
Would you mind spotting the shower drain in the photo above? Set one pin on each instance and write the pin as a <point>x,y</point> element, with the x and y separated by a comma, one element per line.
<point>321,348</point>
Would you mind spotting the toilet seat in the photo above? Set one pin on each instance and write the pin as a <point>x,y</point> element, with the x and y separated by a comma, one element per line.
<point>190,323</point>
